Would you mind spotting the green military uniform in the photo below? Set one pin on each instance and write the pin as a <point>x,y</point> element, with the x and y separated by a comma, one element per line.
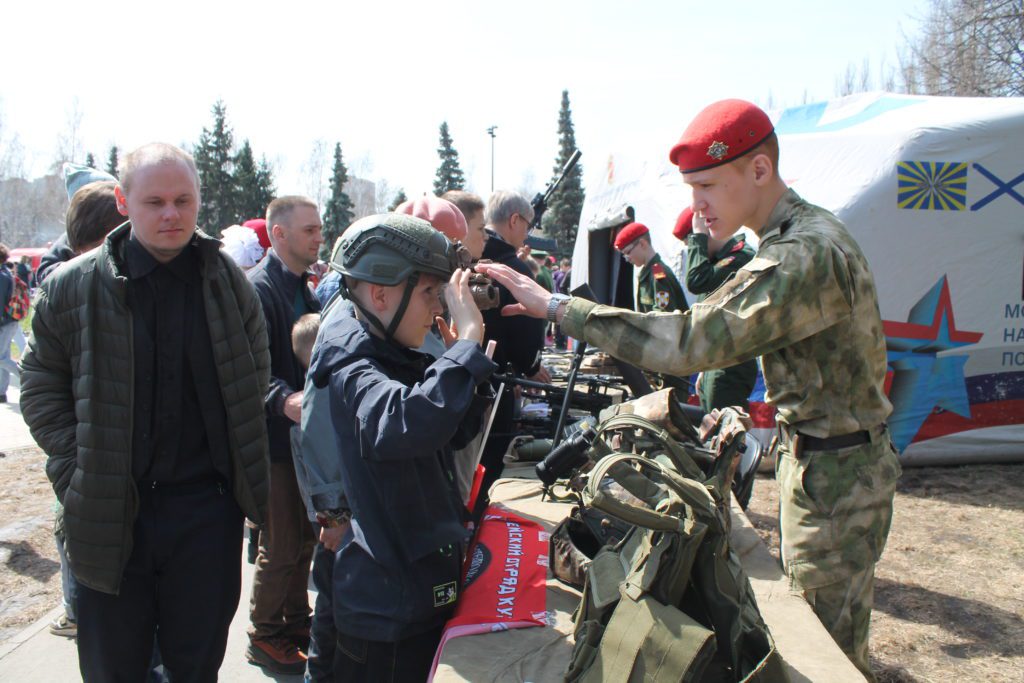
<point>545,280</point>
<point>704,274</point>
<point>659,290</point>
<point>807,305</point>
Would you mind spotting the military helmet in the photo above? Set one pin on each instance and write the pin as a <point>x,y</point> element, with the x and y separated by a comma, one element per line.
<point>387,249</point>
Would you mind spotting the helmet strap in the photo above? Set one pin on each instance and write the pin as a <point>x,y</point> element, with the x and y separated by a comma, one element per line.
<point>410,285</point>
<point>388,331</point>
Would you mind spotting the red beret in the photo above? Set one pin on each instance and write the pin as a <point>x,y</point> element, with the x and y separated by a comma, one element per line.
<point>440,213</point>
<point>629,234</point>
<point>259,225</point>
<point>684,224</point>
<point>722,132</point>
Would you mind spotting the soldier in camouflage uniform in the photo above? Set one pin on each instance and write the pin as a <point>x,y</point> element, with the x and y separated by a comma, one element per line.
<point>807,305</point>
<point>709,263</point>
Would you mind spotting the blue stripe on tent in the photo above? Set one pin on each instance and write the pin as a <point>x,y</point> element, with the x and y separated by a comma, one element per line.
<point>805,119</point>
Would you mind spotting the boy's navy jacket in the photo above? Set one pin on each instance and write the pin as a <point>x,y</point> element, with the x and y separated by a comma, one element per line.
<point>396,417</point>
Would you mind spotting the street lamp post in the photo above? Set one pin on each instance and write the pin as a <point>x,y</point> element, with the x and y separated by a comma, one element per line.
<point>490,131</point>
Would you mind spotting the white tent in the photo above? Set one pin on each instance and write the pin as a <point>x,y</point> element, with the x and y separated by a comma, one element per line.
<point>933,190</point>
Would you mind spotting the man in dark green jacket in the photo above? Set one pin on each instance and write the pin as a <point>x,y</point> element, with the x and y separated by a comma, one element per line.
<point>144,384</point>
<point>709,263</point>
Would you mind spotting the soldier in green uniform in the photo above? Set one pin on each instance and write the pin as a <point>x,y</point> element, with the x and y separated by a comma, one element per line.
<point>544,273</point>
<point>806,304</point>
<point>709,263</point>
<point>657,288</point>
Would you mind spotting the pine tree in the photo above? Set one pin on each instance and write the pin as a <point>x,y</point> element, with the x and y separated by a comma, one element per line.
<point>90,160</point>
<point>563,215</point>
<point>400,198</point>
<point>254,186</point>
<point>266,190</point>
<point>214,161</point>
<point>112,161</point>
<point>338,212</point>
<point>449,175</point>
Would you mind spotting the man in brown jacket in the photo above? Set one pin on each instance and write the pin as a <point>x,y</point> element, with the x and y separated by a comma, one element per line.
<point>144,384</point>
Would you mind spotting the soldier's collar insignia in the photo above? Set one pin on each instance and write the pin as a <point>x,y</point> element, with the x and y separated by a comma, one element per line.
<point>736,247</point>
<point>718,150</point>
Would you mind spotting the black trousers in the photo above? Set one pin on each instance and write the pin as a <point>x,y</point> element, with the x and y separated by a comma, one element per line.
<point>322,634</point>
<point>181,584</point>
<point>370,661</point>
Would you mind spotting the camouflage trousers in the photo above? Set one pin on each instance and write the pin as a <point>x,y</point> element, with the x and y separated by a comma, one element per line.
<point>835,510</point>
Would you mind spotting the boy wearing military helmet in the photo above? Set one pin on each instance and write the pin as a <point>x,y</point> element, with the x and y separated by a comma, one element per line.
<point>807,305</point>
<point>396,415</point>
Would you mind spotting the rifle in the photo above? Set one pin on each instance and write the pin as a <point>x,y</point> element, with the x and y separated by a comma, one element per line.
<point>540,201</point>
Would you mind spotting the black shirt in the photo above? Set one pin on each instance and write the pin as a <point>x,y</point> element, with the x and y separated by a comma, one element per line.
<point>178,430</point>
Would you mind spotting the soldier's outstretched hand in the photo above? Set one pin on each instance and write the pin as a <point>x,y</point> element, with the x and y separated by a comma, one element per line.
<point>533,299</point>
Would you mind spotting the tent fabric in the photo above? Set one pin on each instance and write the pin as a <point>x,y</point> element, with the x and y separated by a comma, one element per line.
<point>933,190</point>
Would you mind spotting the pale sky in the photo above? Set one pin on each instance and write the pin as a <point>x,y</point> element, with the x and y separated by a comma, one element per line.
<point>380,77</point>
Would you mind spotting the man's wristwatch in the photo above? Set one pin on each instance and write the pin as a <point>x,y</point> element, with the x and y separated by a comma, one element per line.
<point>556,301</point>
<point>330,519</point>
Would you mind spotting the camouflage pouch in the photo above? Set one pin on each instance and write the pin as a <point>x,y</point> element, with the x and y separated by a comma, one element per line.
<point>576,541</point>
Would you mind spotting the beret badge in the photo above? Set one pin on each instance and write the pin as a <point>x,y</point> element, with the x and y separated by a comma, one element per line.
<point>718,150</point>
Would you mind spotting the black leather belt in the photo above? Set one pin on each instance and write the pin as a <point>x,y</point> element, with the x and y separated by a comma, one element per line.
<point>183,488</point>
<point>831,443</point>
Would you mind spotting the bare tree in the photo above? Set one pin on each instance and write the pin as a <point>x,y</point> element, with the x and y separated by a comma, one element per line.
<point>69,143</point>
<point>12,152</point>
<point>886,76</point>
<point>968,48</point>
<point>864,83</point>
<point>314,171</point>
<point>385,195</point>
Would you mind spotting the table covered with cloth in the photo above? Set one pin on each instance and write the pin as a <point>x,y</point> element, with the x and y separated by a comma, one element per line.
<point>541,654</point>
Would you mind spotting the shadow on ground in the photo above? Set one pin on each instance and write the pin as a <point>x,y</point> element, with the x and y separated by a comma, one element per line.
<point>983,628</point>
<point>24,560</point>
<point>977,485</point>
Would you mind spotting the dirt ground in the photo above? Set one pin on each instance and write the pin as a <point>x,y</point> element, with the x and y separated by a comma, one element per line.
<point>949,595</point>
<point>29,568</point>
<point>949,598</point>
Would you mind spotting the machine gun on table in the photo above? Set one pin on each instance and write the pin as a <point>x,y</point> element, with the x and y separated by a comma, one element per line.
<point>599,394</point>
<point>541,199</point>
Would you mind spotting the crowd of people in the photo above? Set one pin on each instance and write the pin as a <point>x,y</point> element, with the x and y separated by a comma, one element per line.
<point>181,385</point>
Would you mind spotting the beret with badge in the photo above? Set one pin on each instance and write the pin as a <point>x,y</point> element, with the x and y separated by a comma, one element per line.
<point>630,234</point>
<point>722,132</point>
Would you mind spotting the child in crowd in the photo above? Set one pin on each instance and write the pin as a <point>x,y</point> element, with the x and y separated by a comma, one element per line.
<point>396,415</point>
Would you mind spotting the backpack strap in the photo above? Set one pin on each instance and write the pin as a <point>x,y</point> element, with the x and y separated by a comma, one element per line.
<point>680,458</point>
<point>627,470</point>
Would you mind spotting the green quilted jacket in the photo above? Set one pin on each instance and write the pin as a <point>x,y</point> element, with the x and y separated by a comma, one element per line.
<point>76,396</point>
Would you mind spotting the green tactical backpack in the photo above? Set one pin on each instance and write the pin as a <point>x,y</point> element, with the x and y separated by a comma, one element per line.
<point>670,601</point>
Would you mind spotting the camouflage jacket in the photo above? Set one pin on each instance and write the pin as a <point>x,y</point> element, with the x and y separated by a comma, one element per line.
<point>659,289</point>
<point>806,304</point>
